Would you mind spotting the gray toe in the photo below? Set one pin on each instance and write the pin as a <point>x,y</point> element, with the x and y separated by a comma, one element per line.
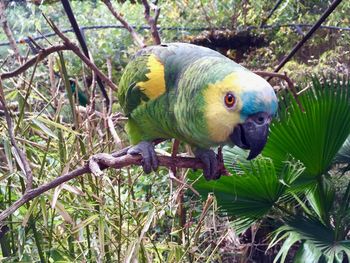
<point>149,157</point>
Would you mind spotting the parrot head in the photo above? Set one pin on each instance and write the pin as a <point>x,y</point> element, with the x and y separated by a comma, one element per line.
<point>241,107</point>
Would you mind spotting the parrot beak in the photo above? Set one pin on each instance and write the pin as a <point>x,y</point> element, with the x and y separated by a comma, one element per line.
<point>252,134</point>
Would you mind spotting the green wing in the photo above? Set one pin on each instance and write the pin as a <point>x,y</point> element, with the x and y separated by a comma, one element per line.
<point>130,96</point>
<point>150,92</point>
<point>155,70</point>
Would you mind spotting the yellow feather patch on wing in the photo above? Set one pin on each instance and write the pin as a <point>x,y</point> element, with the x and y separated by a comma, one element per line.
<point>155,85</point>
<point>220,120</point>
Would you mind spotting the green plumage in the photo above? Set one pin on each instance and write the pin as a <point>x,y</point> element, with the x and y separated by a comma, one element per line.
<point>82,98</point>
<point>179,111</point>
<point>195,95</point>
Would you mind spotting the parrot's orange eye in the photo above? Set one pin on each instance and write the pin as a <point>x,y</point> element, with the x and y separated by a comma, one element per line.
<point>230,100</point>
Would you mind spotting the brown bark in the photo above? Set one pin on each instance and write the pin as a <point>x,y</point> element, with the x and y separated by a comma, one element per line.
<point>39,57</point>
<point>152,21</point>
<point>137,39</point>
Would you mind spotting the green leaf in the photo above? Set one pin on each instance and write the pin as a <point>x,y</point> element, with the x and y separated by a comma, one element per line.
<point>44,128</point>
<point>318,240</point>
<point>65,77</point>
<point>56,125</point>
<point>251,195</point>
<point>84,223</point>
<point>307,253</point>
<point>314,136</point>
<point>287,244</point>
<point>343,156</point>
<point>322,198</point>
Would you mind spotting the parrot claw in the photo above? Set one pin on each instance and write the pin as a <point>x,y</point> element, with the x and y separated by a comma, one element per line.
<point>210,162</point>
<point>149,157</point>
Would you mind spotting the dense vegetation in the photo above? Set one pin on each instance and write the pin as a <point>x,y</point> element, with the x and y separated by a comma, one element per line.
<point>291,203</point>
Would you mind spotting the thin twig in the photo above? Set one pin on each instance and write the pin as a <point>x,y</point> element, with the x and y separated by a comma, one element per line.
<point>8,31</point>
<point>179,179</point>
<point>117,160</point>
<point>137,39</point>
<point>183,184</point>
<point>25,164</point>
<point>82,42</point>
<point>41,55</point>
<point>77,51</point>
<point>312,30</point>
<point>116,138</point>
<point>284,76</point>
<point>205,210</point>
<point>264,20</point>
<point>152,21</point>
<point>174,151</point>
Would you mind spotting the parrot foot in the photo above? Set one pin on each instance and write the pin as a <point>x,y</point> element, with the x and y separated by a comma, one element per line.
<point>149,157</point>
<point>210,162</point>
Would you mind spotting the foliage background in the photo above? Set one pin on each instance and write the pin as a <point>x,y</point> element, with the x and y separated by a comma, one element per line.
<point>127,215</point>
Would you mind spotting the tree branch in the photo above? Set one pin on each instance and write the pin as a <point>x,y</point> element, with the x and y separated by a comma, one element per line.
<point>8,31</point>
<point>77,51</point>
<point>117,160</point>
<point>152,21</point>
<point>67,45</point>
<point>137,39</point>
<point>39,57</point>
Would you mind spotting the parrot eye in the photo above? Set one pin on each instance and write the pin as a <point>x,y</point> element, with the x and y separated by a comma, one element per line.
<point>230,100</point>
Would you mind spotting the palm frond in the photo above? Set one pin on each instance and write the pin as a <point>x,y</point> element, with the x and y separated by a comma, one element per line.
<point>321,199</point>
<point>307,252</point>
<point>314,136</point>
<point>343,156</point>
<point>251,195</point>
<point>235,159</point>
<point>323,233</point>
<point>318,240</point>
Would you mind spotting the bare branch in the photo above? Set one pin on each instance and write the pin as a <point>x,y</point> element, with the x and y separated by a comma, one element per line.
<point>287,79</point>
<point>8,31</point>
<point>116,138</point>
<point>25,164</point>
<point>137,39</point>
<point>152,21</point>
<point>68,45</point>
<point>71,46</point>
<point>117,160</point>
<point>39,57</point>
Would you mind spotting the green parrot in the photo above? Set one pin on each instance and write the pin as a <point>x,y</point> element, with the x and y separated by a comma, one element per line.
<point>198,96</point>
<point>82,98</point>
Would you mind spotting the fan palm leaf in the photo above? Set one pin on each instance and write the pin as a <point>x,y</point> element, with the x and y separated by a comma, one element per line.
<point>251,195</point>
<point>317,240</point>
<point>343,156</point>
<point>314,136</point>
<point>323,237</point>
